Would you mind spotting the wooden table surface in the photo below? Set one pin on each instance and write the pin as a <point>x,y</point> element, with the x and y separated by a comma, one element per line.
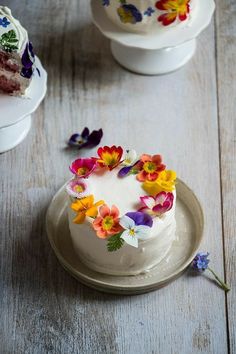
<point>189,117</point>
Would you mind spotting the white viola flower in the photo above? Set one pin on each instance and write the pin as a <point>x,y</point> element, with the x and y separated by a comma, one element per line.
<point>133,230</point>
<point>78,188</point>
<point>130,157</point>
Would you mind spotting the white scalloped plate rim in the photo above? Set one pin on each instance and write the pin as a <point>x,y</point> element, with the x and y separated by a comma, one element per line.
<point>172,37</point>
<point>125,285</point>
<point>14,109</point>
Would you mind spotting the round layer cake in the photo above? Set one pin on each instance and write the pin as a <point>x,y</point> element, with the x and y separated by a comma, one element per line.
<point>121,211</point>
<point>146,16</point>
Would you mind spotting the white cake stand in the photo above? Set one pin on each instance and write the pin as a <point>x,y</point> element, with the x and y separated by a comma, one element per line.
<point>153,54</point>
<point>15,116</point>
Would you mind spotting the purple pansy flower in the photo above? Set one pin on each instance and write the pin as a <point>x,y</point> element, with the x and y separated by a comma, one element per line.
<point>136,227</point>
<point>129,13</point>
<point>27,60</point>
<point>140,218</point>
<point>85,139</point>
<point>4,22</point>
<point>106,2</point>
<point>200,263</point>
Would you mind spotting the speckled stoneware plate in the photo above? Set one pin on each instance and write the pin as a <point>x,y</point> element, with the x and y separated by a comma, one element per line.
<point>189,217</point>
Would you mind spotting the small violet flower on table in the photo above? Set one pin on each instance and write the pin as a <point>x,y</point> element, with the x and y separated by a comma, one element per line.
<point>86,139</point>
<point>200,263</point>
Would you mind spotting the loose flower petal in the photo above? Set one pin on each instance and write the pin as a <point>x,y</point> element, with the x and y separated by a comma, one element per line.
<point>85,139</point>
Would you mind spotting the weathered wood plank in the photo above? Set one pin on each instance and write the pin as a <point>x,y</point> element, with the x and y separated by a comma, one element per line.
<point>44,310</point>
<point>226,60</point>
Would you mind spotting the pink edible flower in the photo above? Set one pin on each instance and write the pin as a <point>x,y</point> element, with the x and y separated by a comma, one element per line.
<point>157,205</point>
<point>82,168</point>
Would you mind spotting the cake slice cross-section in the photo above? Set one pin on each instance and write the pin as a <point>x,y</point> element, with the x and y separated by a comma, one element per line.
<point>16,55</point>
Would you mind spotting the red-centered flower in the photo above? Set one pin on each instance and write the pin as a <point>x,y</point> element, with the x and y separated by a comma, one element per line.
<point>107,223</point>
<point>110,156</point>
<point>83,167</point>
<point>149,167</point>
<point>175,9</point>
<point>157,205</point>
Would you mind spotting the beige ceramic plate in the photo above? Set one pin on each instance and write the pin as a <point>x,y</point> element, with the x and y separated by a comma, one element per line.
<point>189,219</point>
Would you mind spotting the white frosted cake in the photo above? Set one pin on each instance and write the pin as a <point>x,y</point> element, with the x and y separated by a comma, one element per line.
<point>121,211</point>
<point>146,16</point>
<point>16,55</point>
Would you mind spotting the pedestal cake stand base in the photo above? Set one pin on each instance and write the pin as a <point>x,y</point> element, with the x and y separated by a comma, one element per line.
<point>153,62</point>
<point>13,135</point>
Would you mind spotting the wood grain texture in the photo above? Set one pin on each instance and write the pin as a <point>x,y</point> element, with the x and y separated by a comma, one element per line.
<point>226,63</point>
<point>43,309</point>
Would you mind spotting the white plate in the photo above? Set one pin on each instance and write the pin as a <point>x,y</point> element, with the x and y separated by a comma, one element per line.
<point>189,217</point>
<point>14,109</point>
<point>171,37</point>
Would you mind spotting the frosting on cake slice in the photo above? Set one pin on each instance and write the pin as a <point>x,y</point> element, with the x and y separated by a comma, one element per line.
<point>16,55</point>
<point>121,211</point>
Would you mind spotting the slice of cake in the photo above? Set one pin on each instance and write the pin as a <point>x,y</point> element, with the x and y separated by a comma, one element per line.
<point>121,211</point>
<point>146,16</point>
<point>16,55</point>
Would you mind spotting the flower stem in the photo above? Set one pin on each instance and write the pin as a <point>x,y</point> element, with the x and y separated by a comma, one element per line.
<point>224,286</point>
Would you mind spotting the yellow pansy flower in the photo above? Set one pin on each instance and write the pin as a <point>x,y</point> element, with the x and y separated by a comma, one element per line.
<point>85,207</point>
<point>164,182</point>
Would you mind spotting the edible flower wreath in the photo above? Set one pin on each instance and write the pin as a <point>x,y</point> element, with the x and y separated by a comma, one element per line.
<point>157,182</point>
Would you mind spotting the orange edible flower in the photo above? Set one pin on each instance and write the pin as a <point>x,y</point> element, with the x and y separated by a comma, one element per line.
<point>107,223</point>
<point>109,156</point>
<point>175,9</point>
<point>149,167</point>
<point>85,207</point>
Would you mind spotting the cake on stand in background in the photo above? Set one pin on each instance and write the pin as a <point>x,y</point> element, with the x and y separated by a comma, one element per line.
<point>142,16</point>
<point>152,37</point>
<point>22,81</point>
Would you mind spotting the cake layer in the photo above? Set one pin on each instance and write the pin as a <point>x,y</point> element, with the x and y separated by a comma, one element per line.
<point>127,260</point>
<point>125,194</point>
<point>9,63</point>
<point>147,16</point>
<point>13,83</point>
